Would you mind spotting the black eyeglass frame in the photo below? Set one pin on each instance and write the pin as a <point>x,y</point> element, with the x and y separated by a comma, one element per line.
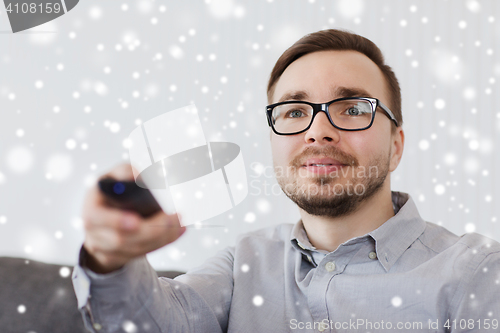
<point>323,107</point>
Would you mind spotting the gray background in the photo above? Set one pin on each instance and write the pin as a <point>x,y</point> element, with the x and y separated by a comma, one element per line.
<point>73,89</point>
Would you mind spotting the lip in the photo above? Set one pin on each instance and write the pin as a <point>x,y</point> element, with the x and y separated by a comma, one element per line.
<point>331,165</point>
<point>324,160</point>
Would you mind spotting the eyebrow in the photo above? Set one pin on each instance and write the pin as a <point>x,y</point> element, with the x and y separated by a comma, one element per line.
<point>294,96</point>
<point>339,92</point>
<point>351,92</point>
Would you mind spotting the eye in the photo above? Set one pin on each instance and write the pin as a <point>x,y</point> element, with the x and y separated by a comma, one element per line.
<point>295,113</point>
<point>353,111</point>
<point>292,111</point>
<point>357,110</point>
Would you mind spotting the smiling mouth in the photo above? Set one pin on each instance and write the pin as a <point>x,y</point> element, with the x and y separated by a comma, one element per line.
<point>321,165</point>
<point>323,169</point>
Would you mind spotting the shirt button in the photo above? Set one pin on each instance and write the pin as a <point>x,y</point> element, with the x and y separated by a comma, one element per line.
<point>97,326</point>
<point>372,255</point>
<point>330,266</point>
<point>322,327</point>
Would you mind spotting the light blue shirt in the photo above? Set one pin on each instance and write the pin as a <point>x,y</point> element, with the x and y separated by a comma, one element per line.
<point>408,275</point>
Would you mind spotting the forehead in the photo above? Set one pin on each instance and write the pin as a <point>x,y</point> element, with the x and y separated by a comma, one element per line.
<point>320,74</point>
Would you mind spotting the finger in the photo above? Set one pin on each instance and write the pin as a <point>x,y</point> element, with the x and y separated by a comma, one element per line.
<point>150,236</point>
<point>96,213</point>
<point>115,243</point>
<point>112,218</point>
<point>99,216</point>
<point>104,241</point>
<point>108,230</point>
<point>157,231</point>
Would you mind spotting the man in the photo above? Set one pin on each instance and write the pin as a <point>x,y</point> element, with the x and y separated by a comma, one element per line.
<point>361,259</point>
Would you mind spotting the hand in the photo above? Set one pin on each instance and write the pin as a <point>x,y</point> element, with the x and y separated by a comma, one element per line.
<point>113,237</point>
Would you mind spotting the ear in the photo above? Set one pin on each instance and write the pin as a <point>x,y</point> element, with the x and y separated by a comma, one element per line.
<point>397,146</point>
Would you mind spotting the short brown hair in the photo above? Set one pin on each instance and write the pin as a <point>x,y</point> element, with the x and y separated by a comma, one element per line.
<point>333,39</point>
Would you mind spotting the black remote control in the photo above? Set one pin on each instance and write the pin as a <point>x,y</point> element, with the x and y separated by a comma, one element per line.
<point>127,195</point>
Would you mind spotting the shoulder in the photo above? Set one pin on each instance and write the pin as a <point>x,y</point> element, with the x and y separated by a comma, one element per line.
<point>479,244</point>
<point>437,238</point>
<point>479,252</point>
<point>440,239</point>
<point>479,256</point>
<point>464,255</point>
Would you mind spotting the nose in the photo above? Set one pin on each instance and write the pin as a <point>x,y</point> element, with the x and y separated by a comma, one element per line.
<point>322,130</point>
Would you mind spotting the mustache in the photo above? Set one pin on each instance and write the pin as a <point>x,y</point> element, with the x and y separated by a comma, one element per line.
<point>328,151</point>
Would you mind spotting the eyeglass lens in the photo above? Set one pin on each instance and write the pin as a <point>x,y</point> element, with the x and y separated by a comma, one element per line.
<point>346,114</point>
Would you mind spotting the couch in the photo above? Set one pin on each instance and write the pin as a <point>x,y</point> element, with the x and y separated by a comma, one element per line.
<point>36,297</point>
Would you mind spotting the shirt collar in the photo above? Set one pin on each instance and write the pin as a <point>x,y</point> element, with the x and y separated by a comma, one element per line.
<point>397,234</point>
<point>299,237</point>
<point>391,239</point>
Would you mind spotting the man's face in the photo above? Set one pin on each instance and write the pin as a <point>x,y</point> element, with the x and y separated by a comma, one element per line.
<point>360,160</point>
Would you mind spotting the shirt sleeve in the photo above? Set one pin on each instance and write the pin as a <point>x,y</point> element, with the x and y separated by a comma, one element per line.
<point>134,299</point>
<point>478,308</point>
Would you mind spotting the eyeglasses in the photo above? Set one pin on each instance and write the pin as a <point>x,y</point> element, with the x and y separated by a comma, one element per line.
<point>348,114</point>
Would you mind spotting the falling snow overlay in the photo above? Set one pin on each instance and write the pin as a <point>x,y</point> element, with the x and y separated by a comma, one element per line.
<point>72,90</point>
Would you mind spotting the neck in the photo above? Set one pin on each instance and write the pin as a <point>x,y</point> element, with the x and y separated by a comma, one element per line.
<point>327,233</point>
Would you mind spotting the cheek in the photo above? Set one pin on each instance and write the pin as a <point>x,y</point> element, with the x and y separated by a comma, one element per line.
<point>364,145</point>
<point>284,149</point>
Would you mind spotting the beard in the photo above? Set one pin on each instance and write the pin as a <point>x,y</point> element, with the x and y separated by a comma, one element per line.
<point>333,195</point>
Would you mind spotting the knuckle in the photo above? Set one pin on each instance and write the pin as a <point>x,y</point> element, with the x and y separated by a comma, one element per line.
<point>170,235</point>
<point>117,241</point>
<point>91,246</point>
<point>114,220</point>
